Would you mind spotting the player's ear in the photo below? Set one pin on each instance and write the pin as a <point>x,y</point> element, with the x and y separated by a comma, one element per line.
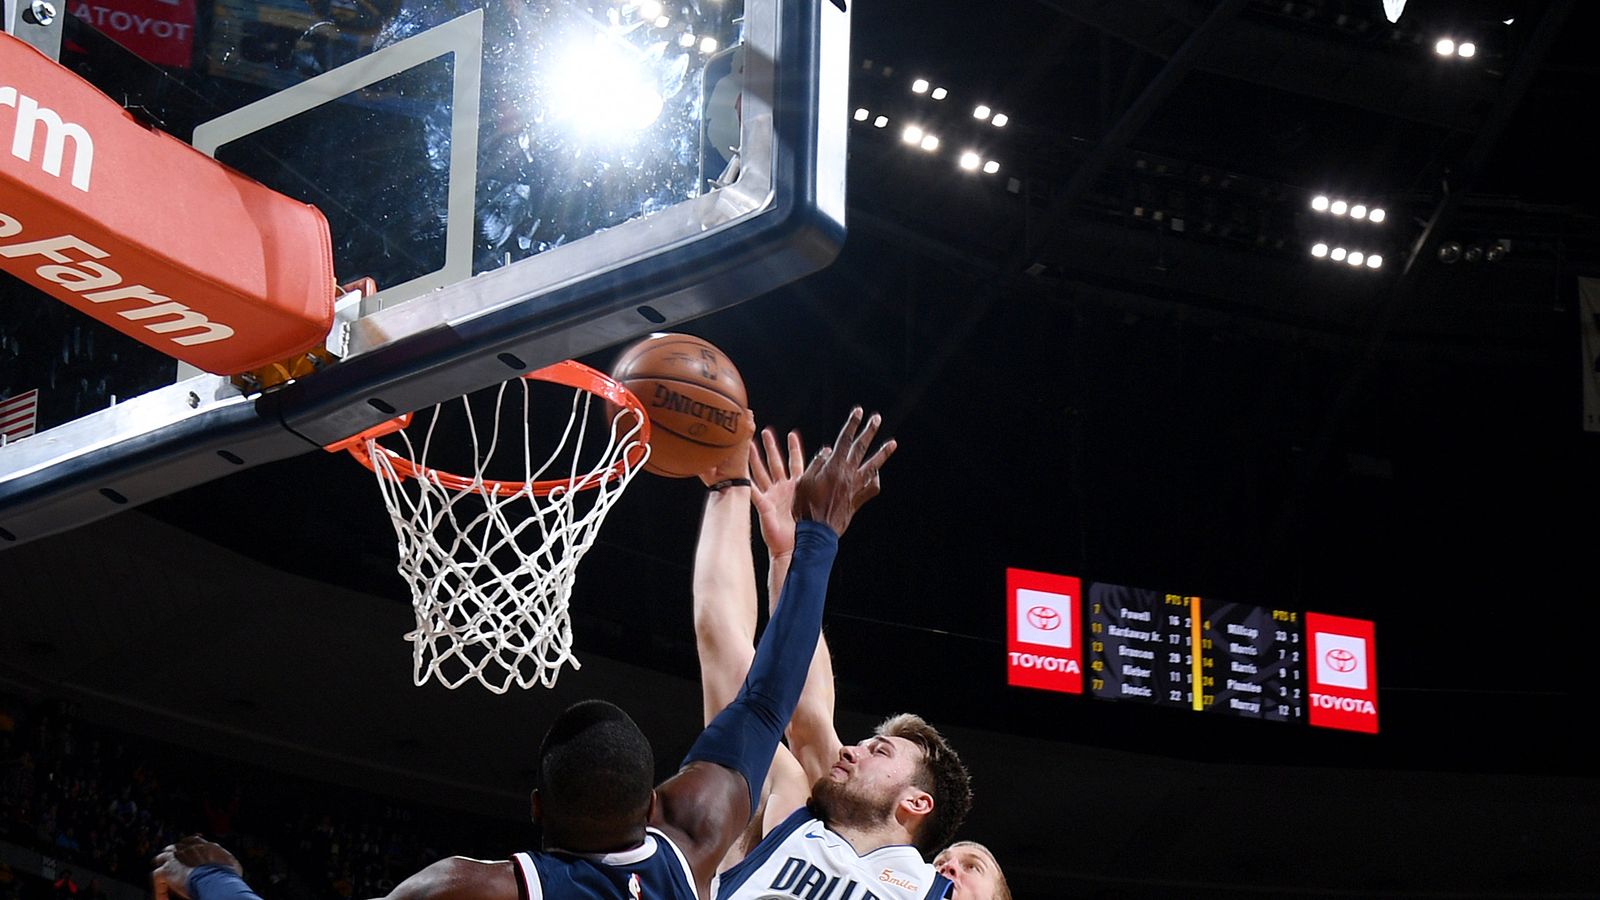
<point>650,811</point>
<point>536,808</point>
<point>917,803</point>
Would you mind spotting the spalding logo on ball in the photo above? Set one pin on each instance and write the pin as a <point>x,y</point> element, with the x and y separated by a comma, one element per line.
<point>695,399</point>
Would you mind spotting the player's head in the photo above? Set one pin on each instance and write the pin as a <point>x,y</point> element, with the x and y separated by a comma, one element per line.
<point>595,780</point>
<point>905,772</point>
<point>974,871</point>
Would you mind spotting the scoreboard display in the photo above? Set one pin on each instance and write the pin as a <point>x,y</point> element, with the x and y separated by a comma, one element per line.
<point>1190,652</point>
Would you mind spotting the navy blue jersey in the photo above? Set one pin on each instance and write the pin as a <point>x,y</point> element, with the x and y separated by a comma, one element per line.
<point>655,870</point>
<point>801,859</point>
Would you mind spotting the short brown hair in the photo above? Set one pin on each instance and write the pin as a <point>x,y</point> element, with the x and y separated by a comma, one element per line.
<point>1002,890</point>
<point>941,774</point>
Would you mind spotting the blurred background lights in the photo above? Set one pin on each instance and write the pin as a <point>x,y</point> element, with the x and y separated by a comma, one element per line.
<point>981,112</point>
<point>1358,212</point>
<point>1319,250</point>
<point>991,167</point>
<point>1337,254</point>
<point>1000,120</point>
<point>862,114</point>
<point>920,86</point>
<point>911,135</point>
<point>970,161</point>
<point>939,93</point>
<point>1319,203</point>
<point>930,143</point>
<point>880,121</point>
<point>1338,207</point>
<point>1444,47</point>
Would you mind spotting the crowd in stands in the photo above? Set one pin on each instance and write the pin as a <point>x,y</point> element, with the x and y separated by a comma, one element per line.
<point>101,804</point>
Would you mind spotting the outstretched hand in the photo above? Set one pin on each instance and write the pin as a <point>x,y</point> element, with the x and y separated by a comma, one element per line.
<point>774,481</point>
<point>842,478</point>
<point>175,862</point>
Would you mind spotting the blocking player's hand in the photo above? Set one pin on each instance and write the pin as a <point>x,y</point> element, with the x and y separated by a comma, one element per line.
<point>175,862</point>
<point>842,478</point>
<point>737,462</point>
<point>774,479</point>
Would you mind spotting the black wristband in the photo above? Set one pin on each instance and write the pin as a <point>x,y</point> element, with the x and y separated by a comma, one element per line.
<point>728,483</point>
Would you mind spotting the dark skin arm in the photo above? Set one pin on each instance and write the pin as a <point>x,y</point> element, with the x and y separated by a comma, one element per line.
<point>705,807</point>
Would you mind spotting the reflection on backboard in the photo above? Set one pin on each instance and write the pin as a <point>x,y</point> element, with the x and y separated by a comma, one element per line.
<point>523,183</point>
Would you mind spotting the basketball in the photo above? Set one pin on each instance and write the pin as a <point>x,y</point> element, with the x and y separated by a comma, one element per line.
<point>695,399</point>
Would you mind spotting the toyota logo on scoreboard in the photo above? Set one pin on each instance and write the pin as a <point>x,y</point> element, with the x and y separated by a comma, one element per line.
<point>1344,680</point>
<point>1042,644</point>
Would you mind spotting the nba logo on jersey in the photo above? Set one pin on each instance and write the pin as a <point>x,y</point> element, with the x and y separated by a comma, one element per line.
<point>634,890</point>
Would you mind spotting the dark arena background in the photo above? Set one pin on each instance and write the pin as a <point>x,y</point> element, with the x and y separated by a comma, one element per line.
<point>1113,357</point>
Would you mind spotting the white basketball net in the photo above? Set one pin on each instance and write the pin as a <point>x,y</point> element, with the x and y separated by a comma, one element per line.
<point>491,574</point>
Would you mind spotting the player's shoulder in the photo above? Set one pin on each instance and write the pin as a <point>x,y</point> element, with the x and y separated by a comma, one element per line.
<point>460,878</point>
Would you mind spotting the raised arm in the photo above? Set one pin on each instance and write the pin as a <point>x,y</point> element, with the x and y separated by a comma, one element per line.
<point>813,739</point>
<point>706,805</point>
<point>724,585</point>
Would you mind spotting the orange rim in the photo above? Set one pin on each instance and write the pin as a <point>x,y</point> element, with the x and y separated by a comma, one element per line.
<point>570,373</point>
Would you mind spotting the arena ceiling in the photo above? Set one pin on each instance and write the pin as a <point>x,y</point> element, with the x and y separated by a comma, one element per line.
<point>1081,386</point>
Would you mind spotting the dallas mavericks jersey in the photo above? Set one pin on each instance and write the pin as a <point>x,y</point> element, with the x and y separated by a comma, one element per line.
<point>802,860</point>
<point>655,870</point>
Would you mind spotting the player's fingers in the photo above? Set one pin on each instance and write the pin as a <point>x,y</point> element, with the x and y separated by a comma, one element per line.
<point>875,463</point>
<point>774,461</point>
<point>797,453</point>
<point>847,432</point>
<point>863,440</point>
<point>759,476</point>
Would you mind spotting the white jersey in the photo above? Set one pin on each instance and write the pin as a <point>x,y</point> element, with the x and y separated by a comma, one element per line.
<point>802,859</point>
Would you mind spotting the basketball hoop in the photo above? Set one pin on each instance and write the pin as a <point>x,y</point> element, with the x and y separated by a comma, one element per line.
<point>491,563</point>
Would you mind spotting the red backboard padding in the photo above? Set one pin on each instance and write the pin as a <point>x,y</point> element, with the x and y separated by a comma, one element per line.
<point>148,235</point>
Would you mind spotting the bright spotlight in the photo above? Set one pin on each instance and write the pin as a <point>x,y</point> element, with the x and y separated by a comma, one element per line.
<point>970,161</point>
<point>1338,207</point>
<point>1000,120</point>
<point>650,9</point>
<point>1337,254</point>
<point>662,21</point>
<point>601,89</point>
<point>930,143</point>
<point>708,45</point>
<point>1467,50</point>
<point>1319,250</point>
<point>880,121</point>
<point>1358,212</point>
<point>920,86</point>
<point>1319,203</point>
<point>861,114</point>
<point>991,167</point>
<point>1374,261</point>
<point>1356,258</point>
<point>981,112</point>
<point>939,93</point>
<point>1377,215</point>
<point>911,135</point>
<point>1445,47</point>
<point>686,40</point>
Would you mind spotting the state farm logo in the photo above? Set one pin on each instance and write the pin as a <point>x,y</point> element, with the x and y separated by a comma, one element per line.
<point>1040,617</point>
<point>1044,618</point>
<point>30,120</point>
<point>1341,660</point>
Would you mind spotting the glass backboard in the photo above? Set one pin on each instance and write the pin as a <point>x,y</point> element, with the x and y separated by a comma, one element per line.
<point>522,183</point>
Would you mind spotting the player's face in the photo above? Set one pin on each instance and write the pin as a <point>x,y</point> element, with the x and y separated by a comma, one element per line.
<point>868,779</point>
<point>973,872</point>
